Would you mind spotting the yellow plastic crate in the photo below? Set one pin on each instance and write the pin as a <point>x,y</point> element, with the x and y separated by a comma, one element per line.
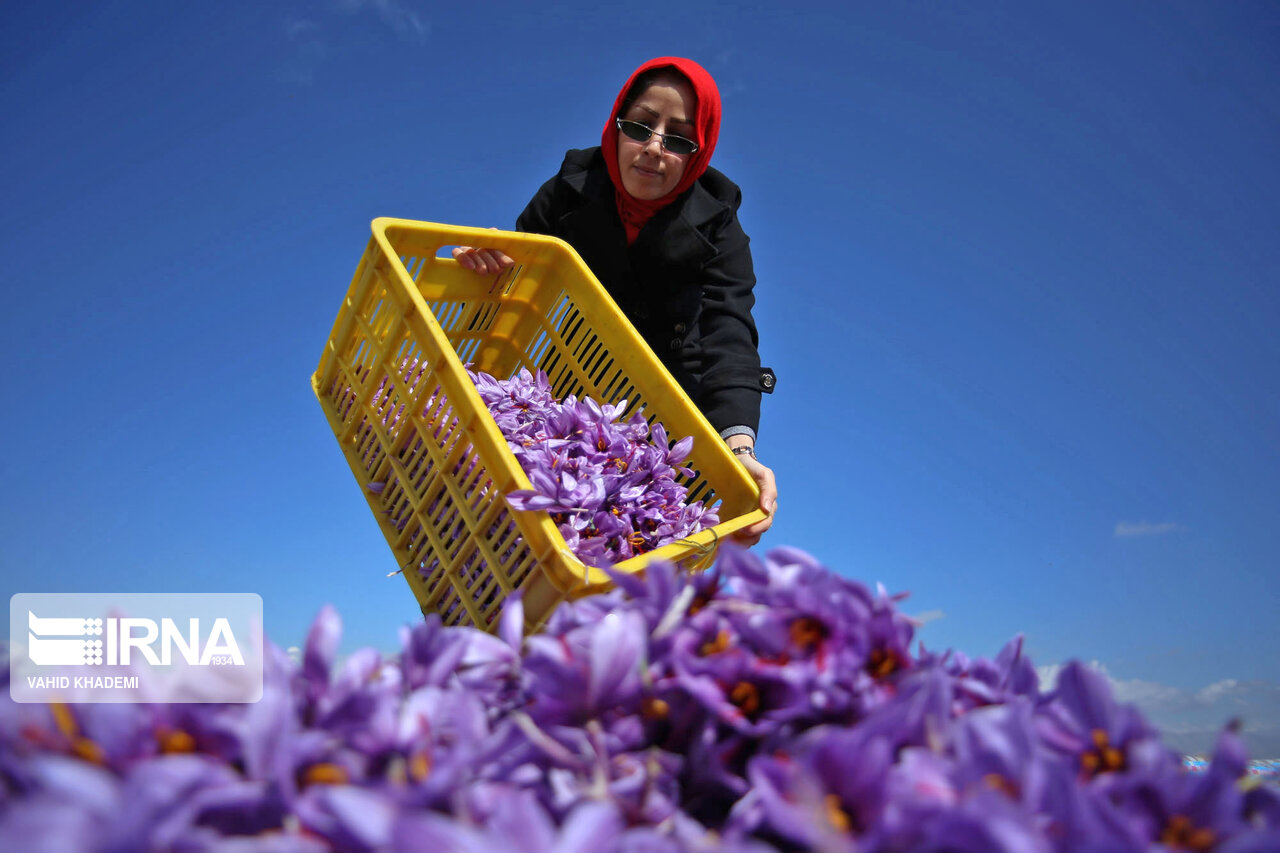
<point>392,383</point>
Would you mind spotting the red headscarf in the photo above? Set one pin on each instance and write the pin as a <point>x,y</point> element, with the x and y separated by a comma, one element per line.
<point>636,212</point>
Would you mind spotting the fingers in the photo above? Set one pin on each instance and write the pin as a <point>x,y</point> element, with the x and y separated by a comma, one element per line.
<point>751,534</point>
<point>763,476</point>
<point>503,261</point>
<point>466,257</point>
<point>482,261</point>
<point>491,261</point>
<point>768,490</point>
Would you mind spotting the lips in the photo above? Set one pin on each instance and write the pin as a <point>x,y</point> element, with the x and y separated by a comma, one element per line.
<point>646,172</point>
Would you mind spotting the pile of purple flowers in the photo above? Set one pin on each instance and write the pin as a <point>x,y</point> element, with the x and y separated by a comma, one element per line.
<point>610,486</point>
<point>766,704</point>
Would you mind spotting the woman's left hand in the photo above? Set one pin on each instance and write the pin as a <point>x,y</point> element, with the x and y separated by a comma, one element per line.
<point>763,475</point>
<point>483,261</point>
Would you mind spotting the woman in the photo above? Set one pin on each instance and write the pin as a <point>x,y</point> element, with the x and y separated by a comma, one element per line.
<point>659,228</point>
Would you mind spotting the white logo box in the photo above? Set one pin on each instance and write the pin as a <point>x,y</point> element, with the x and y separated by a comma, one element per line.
<point>135,647</point>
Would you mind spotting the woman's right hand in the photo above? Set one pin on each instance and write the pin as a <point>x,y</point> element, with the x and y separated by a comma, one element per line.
<point>483,261</point>
<point>763,476</point>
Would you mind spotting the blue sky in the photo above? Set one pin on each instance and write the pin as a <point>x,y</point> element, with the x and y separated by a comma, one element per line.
<point>1018,277</point>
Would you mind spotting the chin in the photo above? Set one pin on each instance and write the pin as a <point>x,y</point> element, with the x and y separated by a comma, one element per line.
<point>642,194</point>
<point>648,192</point>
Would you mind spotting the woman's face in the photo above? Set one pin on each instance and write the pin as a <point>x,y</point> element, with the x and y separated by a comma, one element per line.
<point>648,170</point>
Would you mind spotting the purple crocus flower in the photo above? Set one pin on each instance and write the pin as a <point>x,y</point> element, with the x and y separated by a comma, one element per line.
<point>166,797</point>
<point>522,825</point>
<point>765,703</point>
<point>984,823</point>
<point>611,487</point>
<point>734,686</point>
<point>349,818</point>
<point>430,653</point>
<point>1106,741</point>
<point>66,804</point>
<point>588,671</point>
<point>1084,819</point>
<point>825,792</point>
<point>1195,812</point>
<point>995,748</point>
<point>983,682</point>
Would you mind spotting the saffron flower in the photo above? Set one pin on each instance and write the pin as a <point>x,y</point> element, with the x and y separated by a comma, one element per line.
<point>765,704</point>
<point>611,486</point>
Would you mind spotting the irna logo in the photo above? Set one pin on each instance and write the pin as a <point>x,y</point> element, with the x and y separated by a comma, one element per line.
<point>135,647</point>
<point>92,641</point>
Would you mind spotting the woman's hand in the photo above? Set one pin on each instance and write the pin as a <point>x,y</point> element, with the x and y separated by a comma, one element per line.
<point>749,536</point>
<point>483,261</point>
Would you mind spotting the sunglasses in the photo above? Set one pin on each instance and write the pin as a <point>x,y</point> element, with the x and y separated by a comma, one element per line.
<point>643,133</point>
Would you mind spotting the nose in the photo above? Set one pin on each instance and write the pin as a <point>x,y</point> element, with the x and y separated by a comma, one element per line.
<point>654,144</point>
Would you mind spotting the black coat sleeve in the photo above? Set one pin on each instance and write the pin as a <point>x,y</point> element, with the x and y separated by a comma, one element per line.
<point>732,378</point>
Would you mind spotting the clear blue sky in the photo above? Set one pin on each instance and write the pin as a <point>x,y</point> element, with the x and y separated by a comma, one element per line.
<point>1018,277</point>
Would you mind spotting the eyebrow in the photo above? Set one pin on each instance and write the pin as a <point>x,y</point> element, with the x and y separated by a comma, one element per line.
<point>655,114</point>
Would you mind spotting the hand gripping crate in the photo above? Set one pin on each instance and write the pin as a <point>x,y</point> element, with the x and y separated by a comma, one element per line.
<point>429,458</point>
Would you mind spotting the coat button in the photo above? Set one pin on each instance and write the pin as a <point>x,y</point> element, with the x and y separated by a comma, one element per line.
<point>680,328</point>
<point>767,379</point>
<point>676,344</point>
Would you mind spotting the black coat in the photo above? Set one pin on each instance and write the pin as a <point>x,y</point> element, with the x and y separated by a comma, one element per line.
<point>685,284</point>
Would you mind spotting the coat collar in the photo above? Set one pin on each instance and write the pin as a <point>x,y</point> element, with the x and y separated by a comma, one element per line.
<point>675,231</point>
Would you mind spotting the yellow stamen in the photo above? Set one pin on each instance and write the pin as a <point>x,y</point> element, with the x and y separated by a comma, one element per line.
<point>324,773</point>
<point>175,742</point>
<point>719,644</point>
<point>1002,784</point>
<point>419,766</point>
<point>806,632</point>
<point>87,750</point>
<point>1180,833</point>
<point>882,663</point>
<point>654,708</point>
<point>1202,839</point>
<point>81,747</point>
<point>746,696</point>
<point>63,719</point>
<point>1104,757</point>
<point>838,817</point>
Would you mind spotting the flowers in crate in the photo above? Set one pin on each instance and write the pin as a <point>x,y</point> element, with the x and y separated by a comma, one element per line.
<point>766,704</point>
<point>611,486</point>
